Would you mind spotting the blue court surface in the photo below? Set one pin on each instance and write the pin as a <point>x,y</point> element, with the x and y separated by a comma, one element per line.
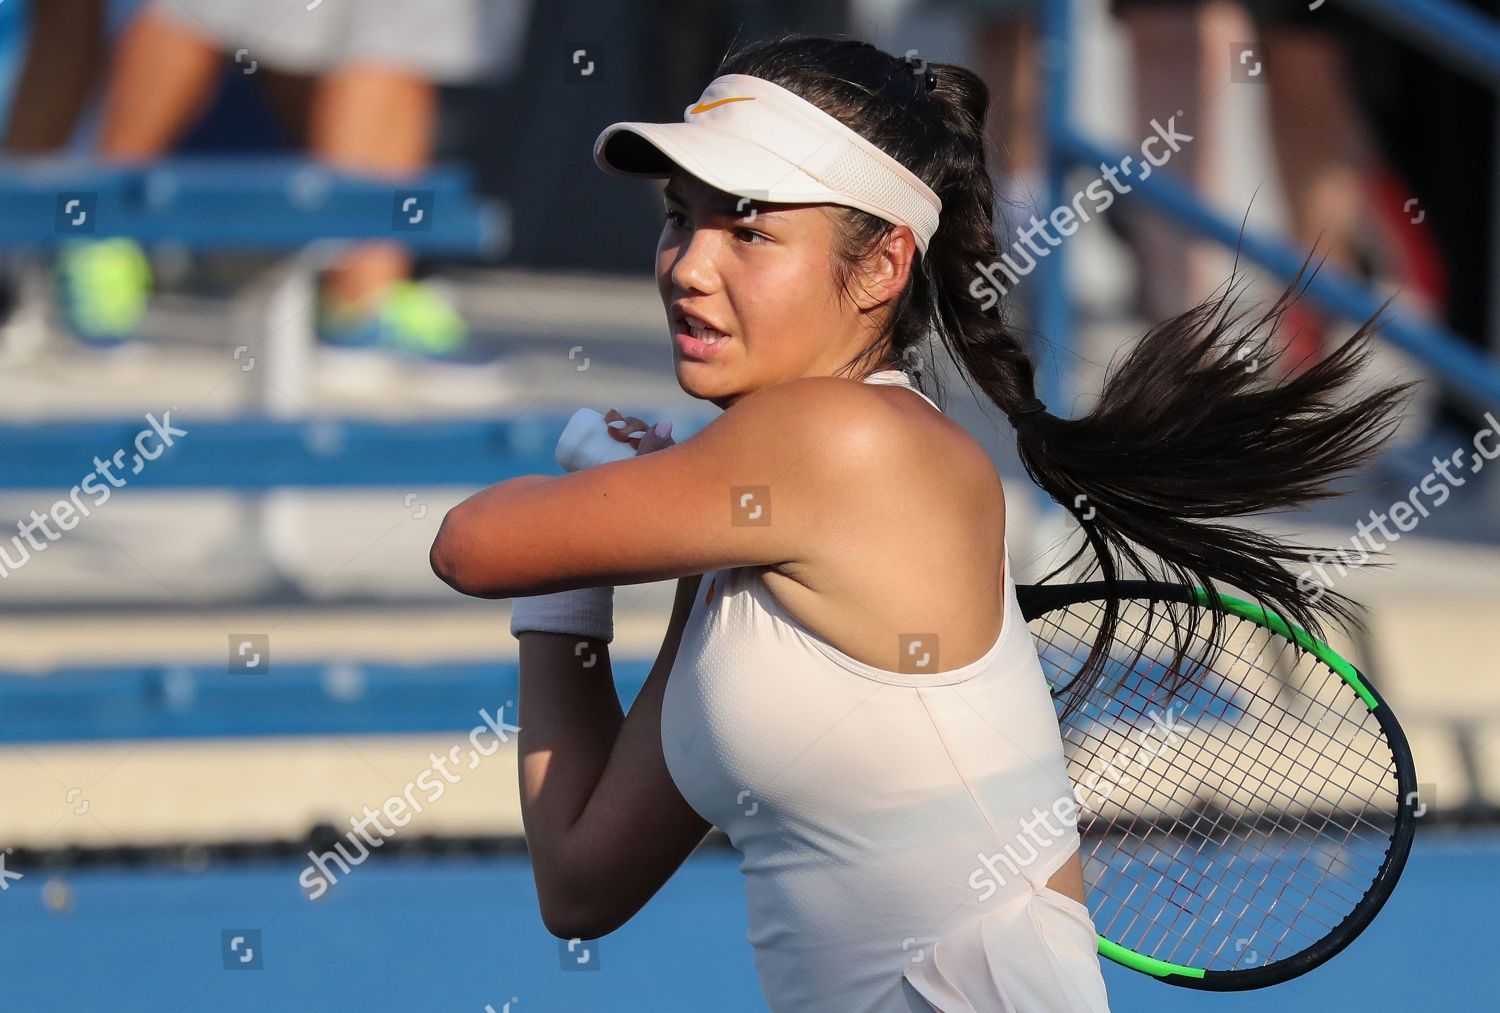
<point>463,934</point>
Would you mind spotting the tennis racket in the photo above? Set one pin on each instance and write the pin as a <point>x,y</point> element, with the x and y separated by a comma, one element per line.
<point>1238,829</point>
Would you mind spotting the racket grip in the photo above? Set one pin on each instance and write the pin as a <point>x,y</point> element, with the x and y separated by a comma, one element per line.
<point>585,442</point>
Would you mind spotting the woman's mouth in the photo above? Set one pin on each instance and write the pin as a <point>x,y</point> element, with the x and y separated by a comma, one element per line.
<point>697,341</point>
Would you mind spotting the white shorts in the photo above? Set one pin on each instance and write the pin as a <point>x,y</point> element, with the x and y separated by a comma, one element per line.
<point>444,40</point>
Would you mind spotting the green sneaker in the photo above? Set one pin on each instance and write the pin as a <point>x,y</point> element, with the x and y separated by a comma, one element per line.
<point>417,319</point>
<point>103,287</point>
<point>412,318</point>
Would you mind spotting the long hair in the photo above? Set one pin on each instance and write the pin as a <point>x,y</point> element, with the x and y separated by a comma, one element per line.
<point>1190,426</point>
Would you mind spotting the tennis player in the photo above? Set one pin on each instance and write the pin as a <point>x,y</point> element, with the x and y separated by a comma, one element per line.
<point>847,686</point>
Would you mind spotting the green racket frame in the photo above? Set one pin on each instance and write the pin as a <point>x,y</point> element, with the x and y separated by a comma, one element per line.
<point>1038,599</point>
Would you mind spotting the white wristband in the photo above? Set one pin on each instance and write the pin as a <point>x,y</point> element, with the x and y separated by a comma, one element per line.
<point>585,612</point>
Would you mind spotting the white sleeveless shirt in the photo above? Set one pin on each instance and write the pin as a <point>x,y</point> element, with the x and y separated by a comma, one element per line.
<point>883,817</point>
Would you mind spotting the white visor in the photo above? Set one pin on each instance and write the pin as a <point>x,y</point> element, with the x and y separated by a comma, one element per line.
<point>752,138</point>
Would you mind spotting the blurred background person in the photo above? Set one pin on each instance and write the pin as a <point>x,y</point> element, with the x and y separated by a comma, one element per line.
<point>1005,57</point>
<point>998,41</point>
<point>1343,194</point>
<point>367,76</point>
<point>59,50</point>
<point>1175,70</point>
<point>1005,51</point>
<point>63,63</point>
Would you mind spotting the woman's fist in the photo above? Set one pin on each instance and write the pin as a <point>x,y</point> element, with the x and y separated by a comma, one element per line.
<point>635,432</point>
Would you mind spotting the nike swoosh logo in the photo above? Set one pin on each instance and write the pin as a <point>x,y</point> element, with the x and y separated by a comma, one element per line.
<point>706,106</point>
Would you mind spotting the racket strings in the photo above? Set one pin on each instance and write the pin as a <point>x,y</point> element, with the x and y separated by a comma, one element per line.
<point>1138,709</point>
<point>1244,837</point>
<point>1211,832</point>
<point>1216,826</point>
<point>1182,651</point>
<point>1204,838</point>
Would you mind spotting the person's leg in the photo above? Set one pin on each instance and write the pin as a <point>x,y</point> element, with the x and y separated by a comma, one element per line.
<point>162,77</point>
<point>1324,155</point>
<point>1322,150</point>
<point>372,120</point>
<point>1172,77</point>
<point>62,61</point>
<point>1006,60</point>
<point>290,97</point>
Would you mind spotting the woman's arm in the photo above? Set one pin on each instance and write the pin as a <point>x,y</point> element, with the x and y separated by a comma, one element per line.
<point>760,485</point>
<point>605,823</point>
<point>763,483</point>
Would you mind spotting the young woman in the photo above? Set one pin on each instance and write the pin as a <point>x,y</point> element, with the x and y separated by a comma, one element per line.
<point>847,687</point>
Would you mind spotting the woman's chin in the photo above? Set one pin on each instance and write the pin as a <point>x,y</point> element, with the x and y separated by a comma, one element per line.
<point>704,381</point>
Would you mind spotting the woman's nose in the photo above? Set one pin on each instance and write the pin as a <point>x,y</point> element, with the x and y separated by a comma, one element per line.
<point>693,270</point>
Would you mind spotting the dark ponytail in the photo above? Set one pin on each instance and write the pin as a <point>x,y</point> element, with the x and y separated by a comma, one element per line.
<point>1191,424</point>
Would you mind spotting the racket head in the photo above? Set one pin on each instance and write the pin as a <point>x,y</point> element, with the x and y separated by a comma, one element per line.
<point>1244,828</point>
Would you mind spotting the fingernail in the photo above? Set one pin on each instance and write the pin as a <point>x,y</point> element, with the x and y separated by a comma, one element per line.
<point>638,432</point>
<point>663,429</point>
<point>617,424</point>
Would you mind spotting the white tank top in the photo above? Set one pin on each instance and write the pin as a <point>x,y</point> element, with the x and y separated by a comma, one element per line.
<point>882,816</point>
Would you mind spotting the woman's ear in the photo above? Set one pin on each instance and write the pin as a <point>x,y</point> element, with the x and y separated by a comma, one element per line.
<point>882,275</point>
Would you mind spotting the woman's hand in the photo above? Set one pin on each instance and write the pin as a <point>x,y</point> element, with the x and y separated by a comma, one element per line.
<point>651,440</point>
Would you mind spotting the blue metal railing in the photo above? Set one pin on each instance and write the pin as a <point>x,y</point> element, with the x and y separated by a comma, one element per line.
<point>256,454</point>
<point>1471,41</point>
<point>249,203</point>
<point>1469,38</point>
<point>343,696</point>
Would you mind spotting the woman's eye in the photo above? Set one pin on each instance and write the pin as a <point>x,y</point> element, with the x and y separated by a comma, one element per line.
<point>677,220</point>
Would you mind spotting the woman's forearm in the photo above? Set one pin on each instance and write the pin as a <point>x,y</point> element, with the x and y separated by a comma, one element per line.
<point>570,717</point>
